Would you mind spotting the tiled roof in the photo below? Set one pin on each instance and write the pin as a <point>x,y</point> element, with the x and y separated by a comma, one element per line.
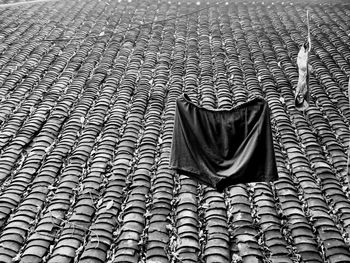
<point>87,104</point>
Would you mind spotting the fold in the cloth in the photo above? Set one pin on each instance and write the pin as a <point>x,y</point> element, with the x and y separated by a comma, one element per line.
<point>222,147</point>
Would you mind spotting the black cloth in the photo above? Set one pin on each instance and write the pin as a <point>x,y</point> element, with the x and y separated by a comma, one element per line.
<point>223,147</point>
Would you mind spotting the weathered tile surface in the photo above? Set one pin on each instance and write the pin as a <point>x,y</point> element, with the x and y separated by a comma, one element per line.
<point>87,104</point>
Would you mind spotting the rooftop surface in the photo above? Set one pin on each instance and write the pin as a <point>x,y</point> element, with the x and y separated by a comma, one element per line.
<point>87,104</point>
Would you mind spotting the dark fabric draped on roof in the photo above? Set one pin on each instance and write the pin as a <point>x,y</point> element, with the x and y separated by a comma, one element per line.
<point>223,147</point>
